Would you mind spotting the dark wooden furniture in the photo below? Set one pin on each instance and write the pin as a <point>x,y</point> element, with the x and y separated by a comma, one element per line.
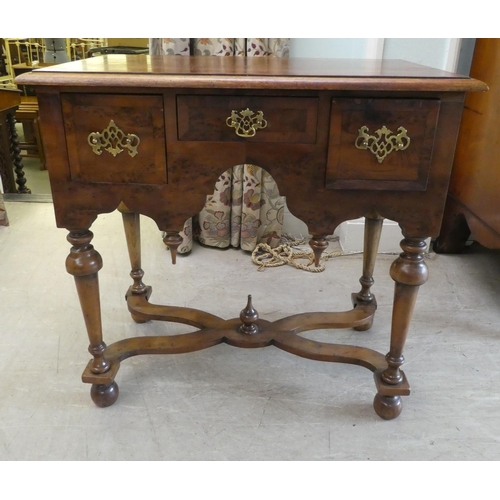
<point>19,69</point>
<point>11,164</point>
<point>28,115</point>
<point>473,203</point>
<point>342,139</point>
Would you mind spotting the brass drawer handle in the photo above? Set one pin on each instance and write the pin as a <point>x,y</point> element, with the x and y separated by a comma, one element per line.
<point>247,122</point>
<point>113,140</point>
<point>383,142</point>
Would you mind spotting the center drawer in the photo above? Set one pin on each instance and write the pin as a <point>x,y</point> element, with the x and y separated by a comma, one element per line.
<point>247,118</point>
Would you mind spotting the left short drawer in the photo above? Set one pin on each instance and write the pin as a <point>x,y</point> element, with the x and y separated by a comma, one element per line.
<point>115,138</point>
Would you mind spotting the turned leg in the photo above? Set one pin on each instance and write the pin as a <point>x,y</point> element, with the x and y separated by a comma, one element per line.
<point>131,224</point>
<point>16,156</point>
<point>373,229</point>
<point>84,263</point>
<point>409,271</point>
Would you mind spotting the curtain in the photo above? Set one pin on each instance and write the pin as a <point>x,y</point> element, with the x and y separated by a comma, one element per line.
<point>257,47</point>
<point>245,208</point>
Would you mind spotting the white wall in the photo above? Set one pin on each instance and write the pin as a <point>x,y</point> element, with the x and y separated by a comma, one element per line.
<point>348,48</point>
<point>428,51</point>
<point>432,52</point>
<point>440,53</point>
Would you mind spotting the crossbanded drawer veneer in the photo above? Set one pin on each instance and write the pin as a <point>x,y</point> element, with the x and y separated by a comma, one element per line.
<point>342,139</point>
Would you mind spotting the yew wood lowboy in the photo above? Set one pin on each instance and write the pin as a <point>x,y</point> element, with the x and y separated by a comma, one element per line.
<point>342,139</point>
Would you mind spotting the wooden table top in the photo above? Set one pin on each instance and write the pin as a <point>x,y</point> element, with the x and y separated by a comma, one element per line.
<point>122,70</point>
<point>9,98</point>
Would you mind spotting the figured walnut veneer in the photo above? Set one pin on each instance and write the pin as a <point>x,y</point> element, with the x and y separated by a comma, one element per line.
<point>175,112</point>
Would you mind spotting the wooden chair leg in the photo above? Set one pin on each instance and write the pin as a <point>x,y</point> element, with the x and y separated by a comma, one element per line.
<point>16,156</point>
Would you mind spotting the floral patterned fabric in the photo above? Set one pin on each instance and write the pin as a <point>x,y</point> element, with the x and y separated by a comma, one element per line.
<point>255,47</point>
<point>246,208</point>
<point>3,214</point>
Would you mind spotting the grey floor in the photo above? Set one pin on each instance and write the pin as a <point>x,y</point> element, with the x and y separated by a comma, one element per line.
<point>226,403</point>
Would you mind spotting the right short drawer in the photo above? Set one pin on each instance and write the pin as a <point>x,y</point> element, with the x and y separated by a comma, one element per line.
<point>381,143</point>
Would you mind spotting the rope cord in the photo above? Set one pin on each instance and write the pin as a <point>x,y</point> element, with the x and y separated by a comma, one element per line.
<point>265,256</point>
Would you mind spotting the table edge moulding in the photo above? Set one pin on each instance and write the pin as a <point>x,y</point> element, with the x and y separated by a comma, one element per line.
<point>343,139</point>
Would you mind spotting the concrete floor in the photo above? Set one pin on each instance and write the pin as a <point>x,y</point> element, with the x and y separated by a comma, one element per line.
<point>225,403</point>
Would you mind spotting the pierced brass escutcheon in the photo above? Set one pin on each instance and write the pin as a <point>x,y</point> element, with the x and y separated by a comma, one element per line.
<point>247,122</point>
<point>113,140</point>
<point>383,142</point>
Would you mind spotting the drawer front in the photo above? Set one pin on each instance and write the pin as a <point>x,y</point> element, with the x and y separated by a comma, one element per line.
<point>247,118</point>
<point>115,138</point>
<point>383,144</point>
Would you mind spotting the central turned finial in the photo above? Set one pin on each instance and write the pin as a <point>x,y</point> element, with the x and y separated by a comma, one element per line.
<point>249,317</point>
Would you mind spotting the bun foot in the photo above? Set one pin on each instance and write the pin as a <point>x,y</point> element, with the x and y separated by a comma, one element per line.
<point>388,407</point>
<point>104,395</point>
<point>365,327</point>
<point>137,319</point>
